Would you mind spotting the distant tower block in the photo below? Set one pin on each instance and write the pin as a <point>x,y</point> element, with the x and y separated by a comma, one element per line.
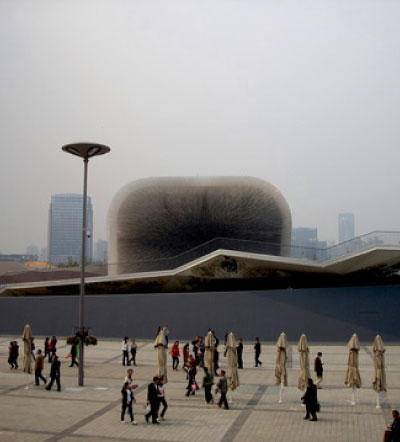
<point>346,227</point>
<point>158,218</point>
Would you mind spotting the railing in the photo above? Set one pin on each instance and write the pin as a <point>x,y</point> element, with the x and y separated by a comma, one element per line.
<point>257,247</point>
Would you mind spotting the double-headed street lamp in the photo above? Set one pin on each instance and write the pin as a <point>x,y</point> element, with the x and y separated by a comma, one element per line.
<point>85,151</point>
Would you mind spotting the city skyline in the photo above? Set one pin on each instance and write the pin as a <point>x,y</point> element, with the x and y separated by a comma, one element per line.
<point>319,243</point>
<point>303,95</point>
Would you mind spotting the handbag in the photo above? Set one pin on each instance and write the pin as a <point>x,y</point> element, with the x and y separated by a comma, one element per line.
<point>318,407</point>
<point>387,436</point>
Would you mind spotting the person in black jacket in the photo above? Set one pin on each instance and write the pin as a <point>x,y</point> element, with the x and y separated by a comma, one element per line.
<point>127,402</point>
<point>152,400</point>
<point>55,374</point>
<point>239,350</point>
<point>216,360</point>
<point>395,427</point>
<point>257,352</point>
<point>310,400</point>
<point>74,353</point>
<point>319,369</point>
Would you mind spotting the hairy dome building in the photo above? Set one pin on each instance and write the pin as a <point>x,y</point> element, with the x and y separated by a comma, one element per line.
<point>158,223</point>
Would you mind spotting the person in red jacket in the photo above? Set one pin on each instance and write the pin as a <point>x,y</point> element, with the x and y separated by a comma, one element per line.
<point>175,355</point>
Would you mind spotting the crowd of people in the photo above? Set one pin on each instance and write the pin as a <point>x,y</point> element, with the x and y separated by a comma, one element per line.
<point>193,359</point>
<point>156,397</point>
<point>39,356</point>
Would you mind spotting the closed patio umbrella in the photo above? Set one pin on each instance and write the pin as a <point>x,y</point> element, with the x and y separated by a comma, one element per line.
<point>280,364</point>
<point>209,353</point>
<point>304,375</point>
<point>379,383</point>
<point>281,359</point>
<point>232,370</point>
<point>353,378</point>
<point>161,345</point>
<point>27,339</point>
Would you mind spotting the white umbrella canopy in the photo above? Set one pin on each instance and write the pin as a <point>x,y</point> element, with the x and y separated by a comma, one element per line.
<point>378,348</point>
<point>27,339</point>
<point>281,359</point>
<point>353,378</point>
<point>232,370</point>
<point>161,344</point>
<point>304,375</point>
<point>209,353</point>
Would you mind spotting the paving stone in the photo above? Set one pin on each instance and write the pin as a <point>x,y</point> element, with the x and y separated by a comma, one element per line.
<point>92,413</point>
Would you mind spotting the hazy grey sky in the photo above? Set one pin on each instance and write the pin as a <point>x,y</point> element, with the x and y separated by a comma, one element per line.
<point>304,94</point>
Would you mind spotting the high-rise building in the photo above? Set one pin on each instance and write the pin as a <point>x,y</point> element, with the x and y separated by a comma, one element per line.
<point>65,229</point>
<point>43,254</point>
<point>100,251</point>
<point>305,244</point>
<point>304,236</point>
<point>33,249</point>
<point>346,227</point>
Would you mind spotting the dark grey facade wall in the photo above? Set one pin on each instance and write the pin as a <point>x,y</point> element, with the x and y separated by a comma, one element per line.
<point>323,314</point>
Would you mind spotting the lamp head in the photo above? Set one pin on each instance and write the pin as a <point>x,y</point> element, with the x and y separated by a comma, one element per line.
<point>86,150</point>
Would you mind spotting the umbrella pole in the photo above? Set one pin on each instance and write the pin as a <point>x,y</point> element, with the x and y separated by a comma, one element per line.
<point>378,404</point>
<point>230,396</point>
<point>353,396</point>
<point>26,381</point>
<point>280,392</point>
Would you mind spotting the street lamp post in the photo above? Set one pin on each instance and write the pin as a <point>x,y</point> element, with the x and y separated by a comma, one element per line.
<point>85,151</point>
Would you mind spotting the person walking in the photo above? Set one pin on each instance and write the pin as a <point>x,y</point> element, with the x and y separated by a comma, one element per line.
<point>225,347</point>
<point>152,400</point>
<point>74,353</point>
<point>191,375</point>
<point>185,352</point>
<point>216,360</point>
<point>207,385</point>
<point>11,355</point>
<point>257,352</point>
<point>162,398</point>
<point>39,365</point>
<point>319,369</point>
<point>202,350</point>
<point>132,386</point>
<point>55,374</point>
<point>33,348</point>
<point>133,351</point>
<point>46,348</point>
<point>53,343</point>
<point>124,349</point>
<point>15,354</point>
<point>310,400</point>
<point>239,351</point>
<point>175,355</point>
<point>222,388</point>
<point>129,378</point>
<point>127,402</point>
<point>195,349</point>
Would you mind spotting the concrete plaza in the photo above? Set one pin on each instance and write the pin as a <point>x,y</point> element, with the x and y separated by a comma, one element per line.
<point>92,413</point>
